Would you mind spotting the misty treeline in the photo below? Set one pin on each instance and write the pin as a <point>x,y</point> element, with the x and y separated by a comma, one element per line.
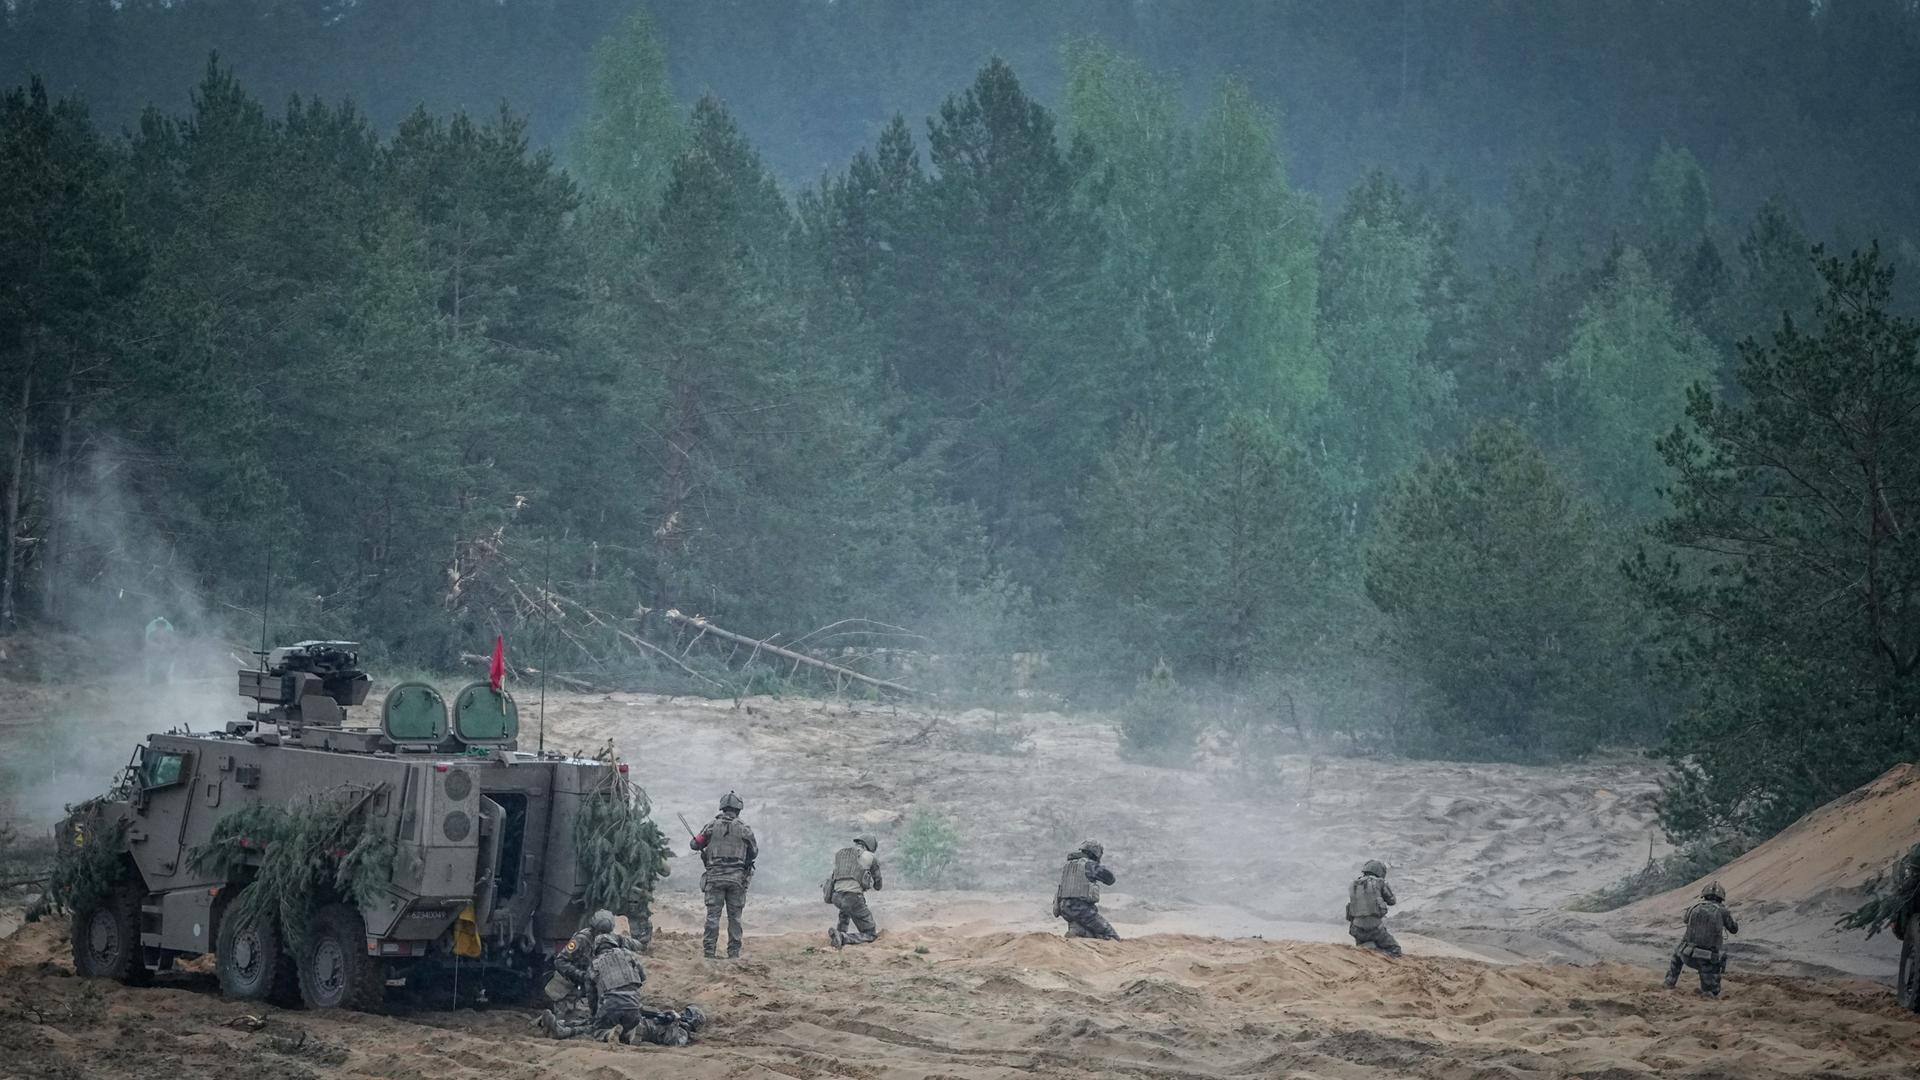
<point>1597,461</point>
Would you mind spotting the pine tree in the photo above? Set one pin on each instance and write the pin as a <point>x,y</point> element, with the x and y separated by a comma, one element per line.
<point>998,344</point>
<point>1791,580</point>
<point>1490,573</point>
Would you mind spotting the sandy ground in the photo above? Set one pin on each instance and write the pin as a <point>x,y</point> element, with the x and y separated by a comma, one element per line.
<point>1230,894</point>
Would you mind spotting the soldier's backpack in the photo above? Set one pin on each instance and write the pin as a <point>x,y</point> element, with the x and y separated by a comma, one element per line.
<point>1363,899</point>
<point>1704,929</point>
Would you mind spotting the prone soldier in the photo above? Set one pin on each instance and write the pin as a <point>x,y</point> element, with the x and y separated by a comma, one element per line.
<point>619,1013</point>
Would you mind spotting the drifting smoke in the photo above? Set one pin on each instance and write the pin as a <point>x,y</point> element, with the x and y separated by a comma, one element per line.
<point>137,652</point>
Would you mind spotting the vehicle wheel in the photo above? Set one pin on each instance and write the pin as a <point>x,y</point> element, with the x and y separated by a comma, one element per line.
<point>335,970</point>
<point>250,961</point>
<point>106,936</point>
<point>1908,988</point>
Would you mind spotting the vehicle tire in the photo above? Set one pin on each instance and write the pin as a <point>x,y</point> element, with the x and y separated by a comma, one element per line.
<point>250,961</point>
<point>335,970</point>
<point>106,936</point>
<point>1908,988</point>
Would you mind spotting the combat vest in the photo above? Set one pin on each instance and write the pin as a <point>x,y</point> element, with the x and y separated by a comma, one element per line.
<point>615,968</point>
<point>1704,927</point>
<point>726,842</point>
<point>1363,899</point>
<point>846,869</point>
<point>1074,884</point>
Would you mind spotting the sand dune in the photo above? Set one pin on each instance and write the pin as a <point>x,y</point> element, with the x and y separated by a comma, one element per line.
<point>1230,895</point>
<point>925,1004</point>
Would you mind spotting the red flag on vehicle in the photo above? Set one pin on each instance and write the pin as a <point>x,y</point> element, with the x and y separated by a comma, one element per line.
<point>497,670</point>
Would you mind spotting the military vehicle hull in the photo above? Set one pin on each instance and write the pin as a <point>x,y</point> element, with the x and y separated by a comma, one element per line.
<point>483,835</point>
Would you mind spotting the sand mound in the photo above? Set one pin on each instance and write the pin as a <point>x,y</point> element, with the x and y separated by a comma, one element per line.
<point>1817,866</point>
<point>929,1003</point>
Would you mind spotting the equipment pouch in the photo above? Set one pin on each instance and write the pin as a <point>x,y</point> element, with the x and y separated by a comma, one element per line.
<point>826,892</point>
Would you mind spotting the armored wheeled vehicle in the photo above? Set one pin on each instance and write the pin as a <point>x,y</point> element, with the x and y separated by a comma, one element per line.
<point>479,873</point>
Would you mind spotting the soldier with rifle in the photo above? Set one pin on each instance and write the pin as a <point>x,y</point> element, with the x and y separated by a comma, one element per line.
<point>727,850</point>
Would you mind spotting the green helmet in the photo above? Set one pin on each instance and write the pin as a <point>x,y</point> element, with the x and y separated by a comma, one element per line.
<point>1093,849</point>
<point>693,1017</point>
<point>870,842</point>
<point>601,922</point>
<point>1374,868</point>
<point>730,801</point>
<point>1713,892</point>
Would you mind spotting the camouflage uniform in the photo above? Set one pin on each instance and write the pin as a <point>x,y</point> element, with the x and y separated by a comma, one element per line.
<point>620,1013</point>
<point>1702,946</point>
<point>1077,897</point>
<point>727,849</point>
<point>574,962</point>
<point>855,870</point>
<point>1368,899</point>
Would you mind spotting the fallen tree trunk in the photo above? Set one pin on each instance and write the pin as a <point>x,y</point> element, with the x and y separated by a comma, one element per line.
<point>706,627</point>
<point>530,674</point>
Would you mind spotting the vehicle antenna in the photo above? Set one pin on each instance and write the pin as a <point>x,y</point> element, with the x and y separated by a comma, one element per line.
<point>546,642</point>
<point>266,601</point>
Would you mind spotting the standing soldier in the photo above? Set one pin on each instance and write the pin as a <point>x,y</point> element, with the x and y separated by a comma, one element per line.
<point>1077,899</point>
<point>855,870</point>
<point>1703,945</point>
<point>727,850</point>
<point>1367,902</point>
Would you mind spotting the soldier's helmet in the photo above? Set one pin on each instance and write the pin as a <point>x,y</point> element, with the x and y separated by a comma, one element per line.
<point>602,922</point>
<point>693,1017</point>
<point>1713,891</point>
<point>1374,868</point>
<point>1093,849</point>
<point>870,842</point>
<point>730,801</point>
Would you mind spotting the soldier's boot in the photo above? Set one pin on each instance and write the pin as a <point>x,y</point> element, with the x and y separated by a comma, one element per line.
<point>1674,967</point>
<point>556,1028</point>
<point>835,938</point>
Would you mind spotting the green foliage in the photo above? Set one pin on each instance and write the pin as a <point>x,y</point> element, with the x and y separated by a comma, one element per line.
<point>86,866</point>
<point>1208,262</point>
<point>326,845</point>
<point>1790,576</point>
<point>1382,284</point>
<point>633,130</point>
<point>929,849</point>
<point>1894,895</point>
<point>1230,564</point>
<point>1491,575</point>
<point>1156,724</point>
<point>1620,386</point>
<point>1692,861</point>
<point>622,853</point>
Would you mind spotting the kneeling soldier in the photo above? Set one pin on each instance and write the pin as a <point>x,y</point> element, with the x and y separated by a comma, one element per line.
<point>855,870</point>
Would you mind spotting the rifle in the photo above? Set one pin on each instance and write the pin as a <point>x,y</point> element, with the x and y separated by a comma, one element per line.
<point>691,835</point>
